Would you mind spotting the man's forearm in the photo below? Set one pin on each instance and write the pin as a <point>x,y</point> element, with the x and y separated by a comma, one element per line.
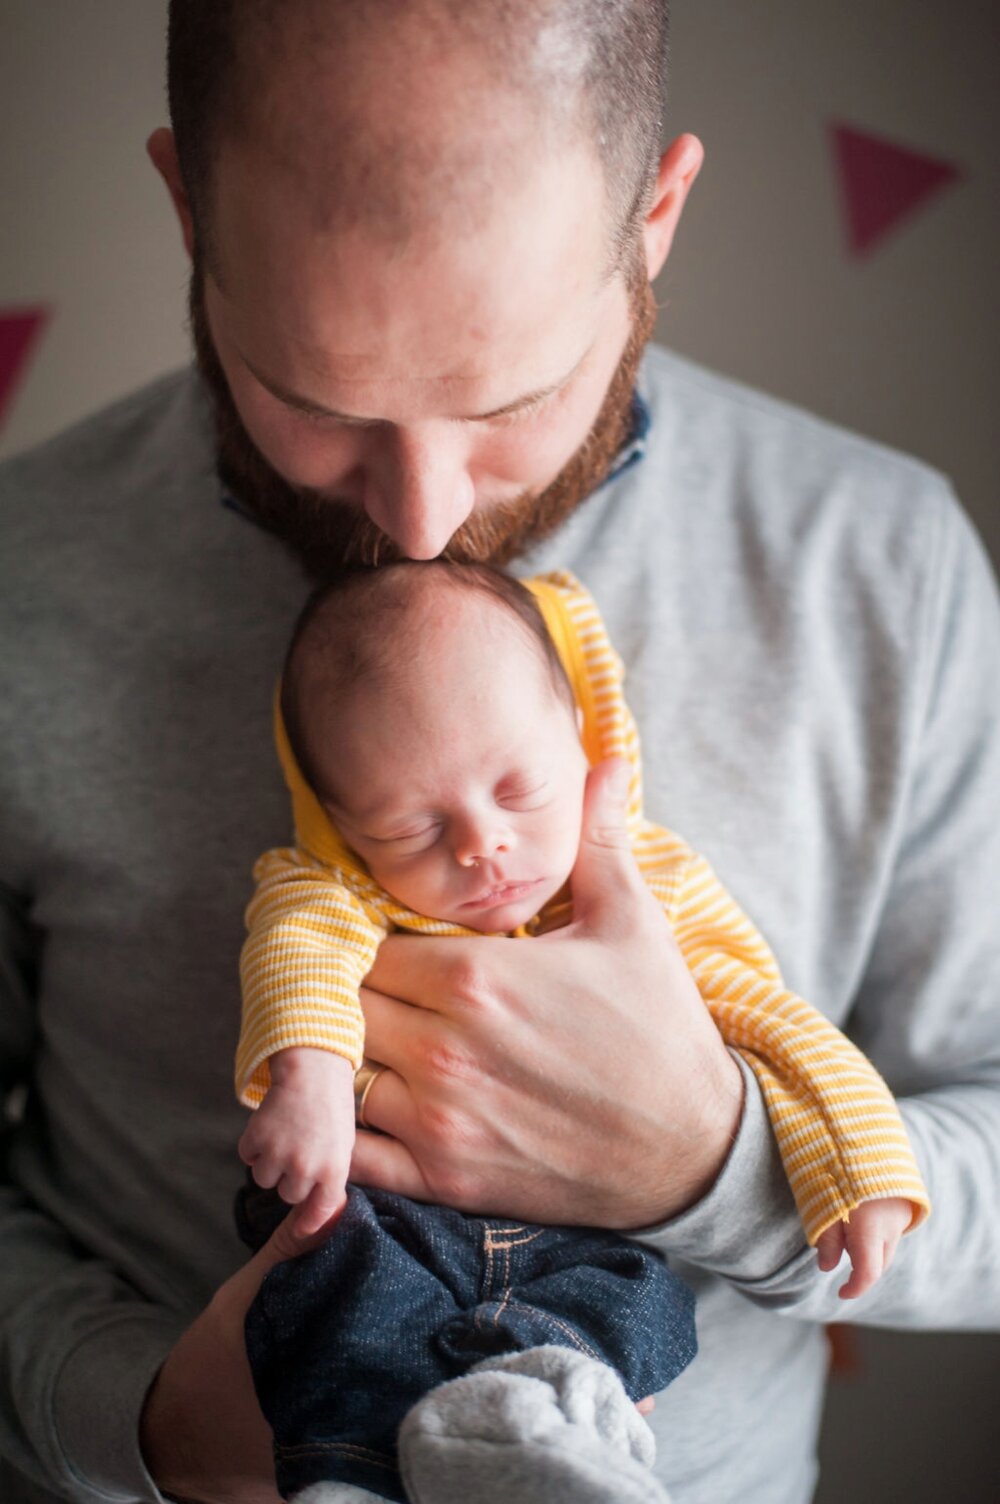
<point>746,1229</point>
<point>80,1350</point>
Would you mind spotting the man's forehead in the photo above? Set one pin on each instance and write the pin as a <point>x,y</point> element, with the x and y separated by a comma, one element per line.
<point>531,214</point>
<point>363,165</point>
<point>345,321</point>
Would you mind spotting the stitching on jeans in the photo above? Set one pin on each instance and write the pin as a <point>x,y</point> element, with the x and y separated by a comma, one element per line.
<point>488,1272</point>
<point>497,1241</point>
<point>575,1340</point>
<point>513,1242</point>
<point>324,1448</point>
<point>500,1308</point>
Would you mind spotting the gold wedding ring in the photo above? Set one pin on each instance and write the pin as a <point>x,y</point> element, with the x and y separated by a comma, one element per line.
<point>364,1080</point>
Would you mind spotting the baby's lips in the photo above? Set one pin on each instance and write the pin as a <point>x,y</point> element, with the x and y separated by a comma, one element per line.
<point>503,892</point>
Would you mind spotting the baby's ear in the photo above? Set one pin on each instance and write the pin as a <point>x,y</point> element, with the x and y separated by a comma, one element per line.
<point>579,720</point>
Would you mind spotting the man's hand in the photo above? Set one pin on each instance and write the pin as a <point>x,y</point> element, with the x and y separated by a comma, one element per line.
<point>301,1136</point>
<point>203,1436</point>
<point>577,1078</point>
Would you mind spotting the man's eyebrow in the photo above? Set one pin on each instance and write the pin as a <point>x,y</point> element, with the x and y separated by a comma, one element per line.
<point>317,410</point>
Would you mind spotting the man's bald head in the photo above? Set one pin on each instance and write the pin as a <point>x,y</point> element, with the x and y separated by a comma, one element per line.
<point>402,116</point>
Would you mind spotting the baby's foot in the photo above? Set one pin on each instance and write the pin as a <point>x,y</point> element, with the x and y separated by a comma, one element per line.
<point>326,1492</point>
<point>549,1426</point>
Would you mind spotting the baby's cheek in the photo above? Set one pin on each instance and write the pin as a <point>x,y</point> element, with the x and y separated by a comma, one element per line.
<point>393,881</point>
<point>566,841</point>
<point>417,886</point>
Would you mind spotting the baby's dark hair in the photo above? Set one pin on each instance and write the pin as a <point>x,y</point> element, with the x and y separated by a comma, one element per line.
<point>350,629</point>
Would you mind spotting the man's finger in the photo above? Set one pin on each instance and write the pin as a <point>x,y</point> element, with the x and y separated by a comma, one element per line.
<point>605,875</point>
<point>389,1105</point>
<point>319,1212</point>
<point>388,1165</point>
<point>395,1033</point>
<point>421,969</point>
<point>286,1242</point>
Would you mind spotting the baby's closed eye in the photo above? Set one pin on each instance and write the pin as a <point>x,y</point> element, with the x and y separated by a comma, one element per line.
<point>524,796</point>
<point>412,838</point>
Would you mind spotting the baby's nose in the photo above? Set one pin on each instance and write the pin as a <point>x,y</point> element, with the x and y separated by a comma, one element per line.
<point>480,845</point>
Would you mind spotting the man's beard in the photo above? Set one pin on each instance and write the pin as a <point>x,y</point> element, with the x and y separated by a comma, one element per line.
<point>328,536</point>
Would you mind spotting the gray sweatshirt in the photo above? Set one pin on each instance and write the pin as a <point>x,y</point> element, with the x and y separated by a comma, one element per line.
<point>812,644</point>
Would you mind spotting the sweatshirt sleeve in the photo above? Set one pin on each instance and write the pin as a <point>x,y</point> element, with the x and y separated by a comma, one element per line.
<point>927,1009</point>
<point>311,940</point>
<point>78,1346</point>
<point>838,1129</point>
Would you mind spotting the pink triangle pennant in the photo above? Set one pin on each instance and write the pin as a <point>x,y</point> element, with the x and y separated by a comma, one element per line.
<point>883,184</point>
<point>19,331</point>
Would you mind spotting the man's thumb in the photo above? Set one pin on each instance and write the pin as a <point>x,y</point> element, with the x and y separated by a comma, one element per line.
<point>287,1242</point>
<point>241,1288</point>
<point>605,859</point>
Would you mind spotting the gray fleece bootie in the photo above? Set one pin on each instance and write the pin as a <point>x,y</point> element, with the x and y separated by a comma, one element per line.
<point>325,1492</point>
<point>546,1426</point>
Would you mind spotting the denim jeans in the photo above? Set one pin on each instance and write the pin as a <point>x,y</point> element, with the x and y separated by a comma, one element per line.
<point>404,1296</point>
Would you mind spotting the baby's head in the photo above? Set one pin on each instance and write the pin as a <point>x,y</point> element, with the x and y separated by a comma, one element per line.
<point>428,711</point>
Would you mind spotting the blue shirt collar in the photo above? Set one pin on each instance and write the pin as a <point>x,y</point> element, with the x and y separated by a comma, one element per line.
<point>634,447</point>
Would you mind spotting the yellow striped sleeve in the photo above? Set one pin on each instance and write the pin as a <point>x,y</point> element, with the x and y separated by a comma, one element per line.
<point>310,942</point>
<point>596,674</point>
<point>838,1128</point>
<point>839,1131</point>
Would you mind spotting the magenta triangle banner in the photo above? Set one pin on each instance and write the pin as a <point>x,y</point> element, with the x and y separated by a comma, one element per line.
<point>882,184</point>
<point>19,331</point>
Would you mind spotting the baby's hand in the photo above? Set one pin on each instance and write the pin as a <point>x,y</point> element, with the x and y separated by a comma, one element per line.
<point>301,1137</point>
<point>870,1238</point>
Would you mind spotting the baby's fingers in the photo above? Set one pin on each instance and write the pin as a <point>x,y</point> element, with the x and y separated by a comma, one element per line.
<point>250,1143</point>
<point>265,1166</point>
<point>868,1264</point>
<point>295,1185</point>
<point>830,1247</point>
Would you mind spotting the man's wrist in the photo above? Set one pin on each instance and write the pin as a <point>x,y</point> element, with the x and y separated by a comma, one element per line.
<point>746,1225</point>
<point>723,1097</point>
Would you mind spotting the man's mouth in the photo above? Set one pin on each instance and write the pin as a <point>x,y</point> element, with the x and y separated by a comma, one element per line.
<point>503,893</point>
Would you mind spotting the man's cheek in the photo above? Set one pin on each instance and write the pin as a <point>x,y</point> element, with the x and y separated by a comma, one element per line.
<point>532,456</point>
<point>302,453</point>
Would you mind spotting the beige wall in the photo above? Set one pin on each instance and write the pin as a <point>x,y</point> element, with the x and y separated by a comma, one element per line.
<point>901,345</point>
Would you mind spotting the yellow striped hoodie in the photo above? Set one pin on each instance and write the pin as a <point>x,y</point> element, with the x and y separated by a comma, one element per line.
<point>317,918</point>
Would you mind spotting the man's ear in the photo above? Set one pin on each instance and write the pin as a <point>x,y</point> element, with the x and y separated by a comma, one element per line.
<point>679,166</point>
<point>162,153</point>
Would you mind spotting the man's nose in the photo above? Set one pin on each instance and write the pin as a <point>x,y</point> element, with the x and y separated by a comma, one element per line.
<point>419,490</point>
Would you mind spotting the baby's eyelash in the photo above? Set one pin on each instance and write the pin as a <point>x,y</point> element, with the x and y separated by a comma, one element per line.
<point>534,791</point>
<point>409,835</point>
